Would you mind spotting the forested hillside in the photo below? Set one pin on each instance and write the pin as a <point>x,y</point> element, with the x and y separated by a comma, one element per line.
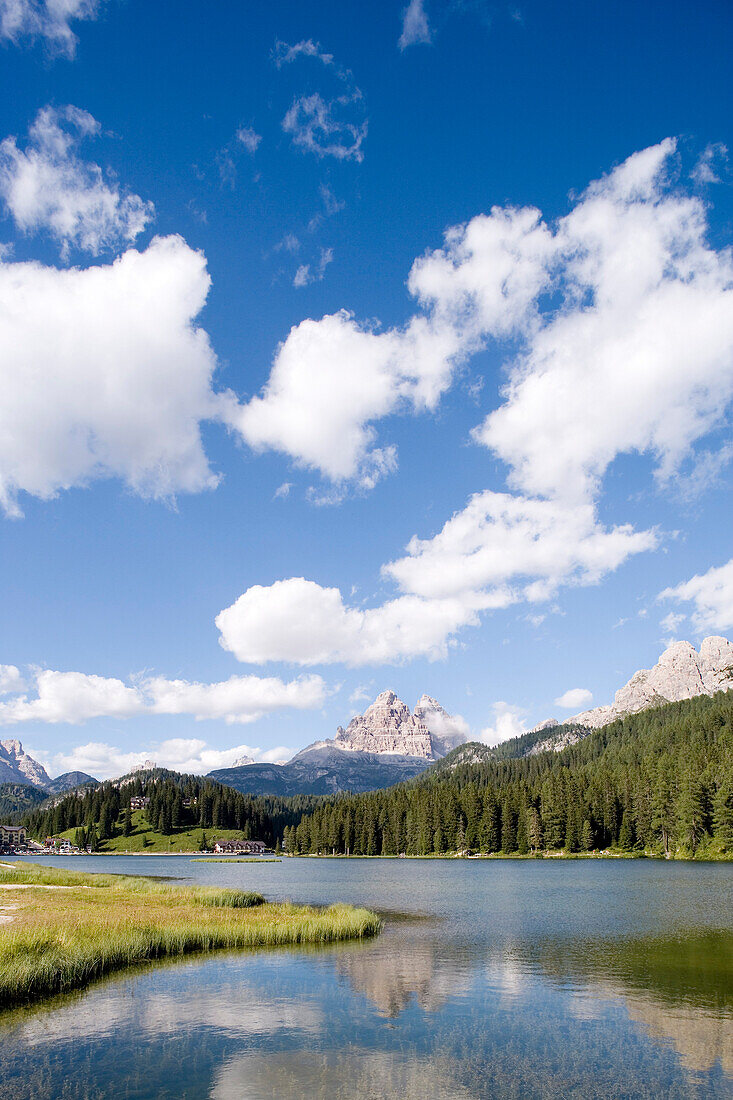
<point>660,781</point>
<point>16,799</point>
<point>178,803</point>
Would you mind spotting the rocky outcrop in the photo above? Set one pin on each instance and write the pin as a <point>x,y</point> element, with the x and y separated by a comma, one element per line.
<point>388,726</point>
<point>16,766</point>
<point>680,673</point>
<point>243,762</point>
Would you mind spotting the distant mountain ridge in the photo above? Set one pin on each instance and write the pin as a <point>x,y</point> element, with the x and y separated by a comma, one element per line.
<point>680,673</point>
<point>387,744</point>
<point>16,766</point>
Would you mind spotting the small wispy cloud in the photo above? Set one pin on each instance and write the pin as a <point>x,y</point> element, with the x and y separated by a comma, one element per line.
<point>249,138</point>
<point>306,275</point>
<point>415,25</point>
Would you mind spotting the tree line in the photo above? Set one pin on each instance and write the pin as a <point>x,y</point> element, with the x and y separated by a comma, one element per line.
<point>660,781</point>
<point>177,802</point>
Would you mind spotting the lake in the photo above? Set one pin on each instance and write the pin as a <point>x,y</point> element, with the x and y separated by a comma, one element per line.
<point>492,979</point>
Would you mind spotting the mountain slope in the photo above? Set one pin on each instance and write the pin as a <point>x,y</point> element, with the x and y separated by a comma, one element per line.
<point>323,769</point>
<point>680,673</point>
<point>660,781</point>
<point>70,781</point>
<point>16,766</point>
<point>386,745</point>
<point>17,799</point>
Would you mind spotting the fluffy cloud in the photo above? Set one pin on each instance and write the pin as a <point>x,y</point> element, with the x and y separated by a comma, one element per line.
<point>574,698</point>
<point>514,547</point>
<point>11,680</point>
<point>507,722</point>
<point>47,19</point>
<point>415,26</point>
<point>189,755</point>
<point>48,186</point>
<point>299,621</point>
<point>77,697</point>
<point>639,357</point>
<point>320,414</point>
<point>710,593</point>
<point>104,374</point>
<point>498,551</point>
<point>328,128</point>
<point>620,316</point>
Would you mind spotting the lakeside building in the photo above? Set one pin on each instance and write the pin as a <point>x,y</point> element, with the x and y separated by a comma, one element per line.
<point>251,847</point>
<point>12,836</point>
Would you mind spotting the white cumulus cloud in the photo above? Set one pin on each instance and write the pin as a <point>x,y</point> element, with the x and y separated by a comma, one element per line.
<point>519,547</point>
<point>46,19</point>
<point>48,186</point>
<point>78,697</point>
<point>299,621</point>
<point>574,698</point>
<point>189,755</point>
<point>639,355</point>
<point>498,551</point>
<point>104,373</point>
<point>507,722</point>
<point>711,596</point>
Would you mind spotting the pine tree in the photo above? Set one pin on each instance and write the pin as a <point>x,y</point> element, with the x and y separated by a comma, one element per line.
<point>586,836</point>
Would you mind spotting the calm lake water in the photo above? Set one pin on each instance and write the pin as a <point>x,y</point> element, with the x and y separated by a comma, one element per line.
<point>496,979</point>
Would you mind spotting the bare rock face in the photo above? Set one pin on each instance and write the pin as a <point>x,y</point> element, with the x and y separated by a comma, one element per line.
<point>680,673</point>
<point>243,761</point>
<point>387,726</point>
<point>548,724</point>
<point>16,766</point>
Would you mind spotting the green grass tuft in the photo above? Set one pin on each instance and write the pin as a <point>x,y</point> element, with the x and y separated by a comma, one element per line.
<point>62,939</point>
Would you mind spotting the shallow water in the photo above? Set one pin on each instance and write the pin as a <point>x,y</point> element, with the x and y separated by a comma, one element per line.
<point>518,979</point>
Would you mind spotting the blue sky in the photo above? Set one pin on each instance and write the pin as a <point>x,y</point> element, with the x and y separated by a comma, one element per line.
<point>355,346</point>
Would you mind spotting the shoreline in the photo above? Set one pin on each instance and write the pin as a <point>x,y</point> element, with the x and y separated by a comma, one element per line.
<point>69,928</point>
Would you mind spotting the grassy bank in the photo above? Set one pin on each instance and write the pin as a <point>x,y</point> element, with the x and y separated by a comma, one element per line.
<point>144,838</point>
<point>67,928</point>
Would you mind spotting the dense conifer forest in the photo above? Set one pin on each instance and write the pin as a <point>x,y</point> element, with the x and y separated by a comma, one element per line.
<point>658,782</point>
<point>177,802</point>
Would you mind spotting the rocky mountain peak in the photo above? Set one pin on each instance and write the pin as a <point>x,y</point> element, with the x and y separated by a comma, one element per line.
<point>16,766</point>
<point>242,761</point>
<point>388,726</point>
<point>680,673</point>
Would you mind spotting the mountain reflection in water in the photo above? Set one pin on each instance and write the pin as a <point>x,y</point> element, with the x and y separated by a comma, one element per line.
<point>514,981</point>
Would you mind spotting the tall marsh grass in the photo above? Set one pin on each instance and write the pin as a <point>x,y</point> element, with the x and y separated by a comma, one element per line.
<point>62,939</point>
